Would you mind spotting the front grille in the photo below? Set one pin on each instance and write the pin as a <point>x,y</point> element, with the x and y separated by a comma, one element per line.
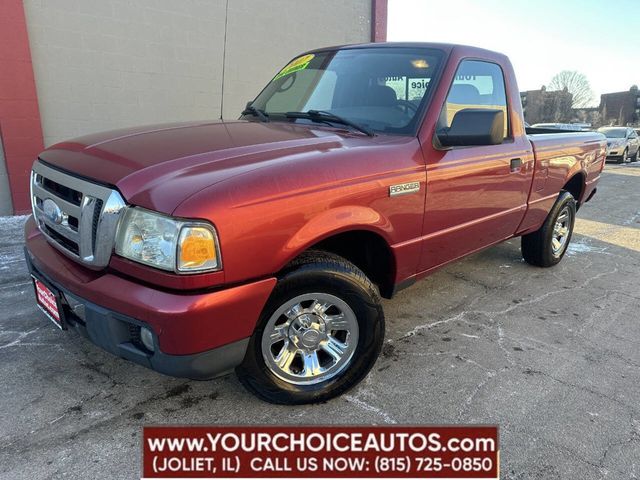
<point>61,191</point>
<point>76,216</point>
<point>96,219</point>
<point>62,240</point>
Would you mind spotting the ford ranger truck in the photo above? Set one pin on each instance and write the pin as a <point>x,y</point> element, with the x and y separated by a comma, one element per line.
<point>265,244</point>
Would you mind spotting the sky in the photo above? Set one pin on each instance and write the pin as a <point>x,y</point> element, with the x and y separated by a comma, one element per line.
<point>600,38</point>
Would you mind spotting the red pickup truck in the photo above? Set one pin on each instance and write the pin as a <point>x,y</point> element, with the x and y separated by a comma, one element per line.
<point>264,244</point>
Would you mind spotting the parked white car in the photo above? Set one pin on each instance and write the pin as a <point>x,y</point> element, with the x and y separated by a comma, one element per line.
<point>573,127</point>
<point>622,144</point>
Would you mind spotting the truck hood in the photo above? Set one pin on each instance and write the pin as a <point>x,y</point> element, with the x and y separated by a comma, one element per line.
<point>158,167</point>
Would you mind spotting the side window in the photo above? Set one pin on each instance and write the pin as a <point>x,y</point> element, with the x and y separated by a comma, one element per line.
<point>477,84</point>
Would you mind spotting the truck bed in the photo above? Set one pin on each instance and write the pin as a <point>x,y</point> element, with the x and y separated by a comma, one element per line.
<point>560,155</point>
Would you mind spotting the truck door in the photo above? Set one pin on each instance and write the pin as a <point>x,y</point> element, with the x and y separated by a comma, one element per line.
<point>476,195</point>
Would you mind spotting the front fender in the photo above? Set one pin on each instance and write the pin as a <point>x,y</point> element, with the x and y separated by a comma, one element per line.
<point>335,221</point>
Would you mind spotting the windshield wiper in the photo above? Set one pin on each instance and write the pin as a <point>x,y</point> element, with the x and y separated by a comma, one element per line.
<point>256,112</point>
<point>328,117</point>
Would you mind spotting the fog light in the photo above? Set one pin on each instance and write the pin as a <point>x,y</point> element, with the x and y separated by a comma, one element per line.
<point>146,337</point>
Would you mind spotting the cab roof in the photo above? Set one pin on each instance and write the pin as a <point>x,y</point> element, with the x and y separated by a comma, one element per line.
<point>466,50</point>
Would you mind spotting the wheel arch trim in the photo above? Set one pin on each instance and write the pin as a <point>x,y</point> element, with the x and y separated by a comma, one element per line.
<point>337,221</point>
<point>576,172</point>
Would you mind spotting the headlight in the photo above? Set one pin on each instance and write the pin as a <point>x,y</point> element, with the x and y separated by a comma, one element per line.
<point>160,241</point>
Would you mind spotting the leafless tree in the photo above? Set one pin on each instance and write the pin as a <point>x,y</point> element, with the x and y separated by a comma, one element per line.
<point>576,84</point>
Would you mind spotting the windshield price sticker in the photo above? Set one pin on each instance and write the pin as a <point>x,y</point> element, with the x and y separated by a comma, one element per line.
<point>296,65</point>
<point>321,452</point>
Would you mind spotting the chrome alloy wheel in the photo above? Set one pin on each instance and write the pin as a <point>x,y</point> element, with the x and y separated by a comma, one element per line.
<point>561,231</point>
<point>310,338</point>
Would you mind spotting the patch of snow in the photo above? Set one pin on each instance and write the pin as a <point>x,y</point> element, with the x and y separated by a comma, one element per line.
<point>576,248</point>
<point>13,220</point>
<point>4,259</point>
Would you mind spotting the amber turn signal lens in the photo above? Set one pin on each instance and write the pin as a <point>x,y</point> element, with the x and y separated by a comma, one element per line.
<point>197,249</point>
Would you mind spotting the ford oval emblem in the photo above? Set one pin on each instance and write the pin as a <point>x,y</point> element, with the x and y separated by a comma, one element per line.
<point>52,211</point>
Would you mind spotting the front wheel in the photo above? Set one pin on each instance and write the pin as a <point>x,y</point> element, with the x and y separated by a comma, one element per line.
<point>624,157</point>
<point>319,334</point>
<point>636,157</point>
<point>546,246</point>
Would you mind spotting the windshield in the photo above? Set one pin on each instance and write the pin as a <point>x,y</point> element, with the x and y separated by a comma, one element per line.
<point>614,132</point>
<point>382,89</point>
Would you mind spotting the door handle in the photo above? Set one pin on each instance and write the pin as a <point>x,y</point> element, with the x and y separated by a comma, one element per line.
<point>516,163</point>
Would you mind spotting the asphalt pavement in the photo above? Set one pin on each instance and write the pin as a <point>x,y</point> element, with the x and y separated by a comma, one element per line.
<point>550,355</point>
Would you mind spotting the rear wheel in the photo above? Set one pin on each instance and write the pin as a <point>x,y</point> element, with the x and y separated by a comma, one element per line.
<point>546,246</point>
<point>319,334</point>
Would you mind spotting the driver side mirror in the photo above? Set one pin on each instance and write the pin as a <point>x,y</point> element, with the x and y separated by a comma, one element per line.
<point>473,127</point>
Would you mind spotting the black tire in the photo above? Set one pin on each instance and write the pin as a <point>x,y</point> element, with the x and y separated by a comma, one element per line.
<point>623,158</point>
<point>318,272</point>
<point>636,157</point>
<point>537,247</point>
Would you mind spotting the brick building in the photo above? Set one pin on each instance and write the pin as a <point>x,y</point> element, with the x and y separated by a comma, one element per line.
<point>72,67</point>
<point>621,108</point>
<point>542,106</point>
<point>587,116</point>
